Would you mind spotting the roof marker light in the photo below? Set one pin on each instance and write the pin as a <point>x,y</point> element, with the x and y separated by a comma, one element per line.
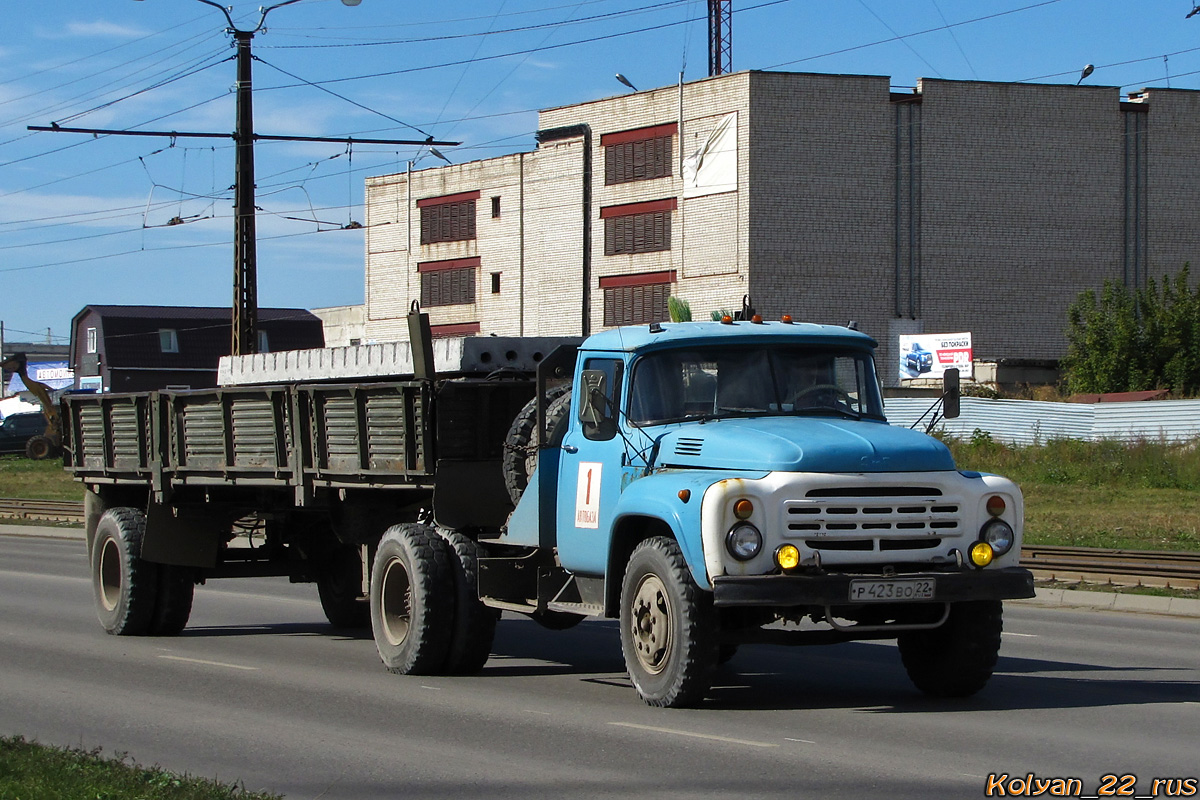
<point>786,319</point>
<point>756,319</point>
<point>726,320</point>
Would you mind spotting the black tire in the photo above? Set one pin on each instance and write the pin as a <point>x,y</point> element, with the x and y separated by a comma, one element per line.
<point>40,448</point>
<point>668,627</point>
<point>124,586</point>
<point>956,659</point>
<point>521,442</point>
<point>173,606</point>
<point>474,626</point>
<point>339,585</point>
<point>412,600</point>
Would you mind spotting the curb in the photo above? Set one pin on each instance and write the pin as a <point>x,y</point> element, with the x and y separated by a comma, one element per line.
<point>1113,601</point>
<point>42,532</point>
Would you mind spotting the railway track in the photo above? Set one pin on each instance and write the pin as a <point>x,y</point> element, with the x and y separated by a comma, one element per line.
<point>1180,569</point>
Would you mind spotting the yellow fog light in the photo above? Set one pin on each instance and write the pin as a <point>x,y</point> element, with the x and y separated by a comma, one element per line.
<point>787,556</point>
<point>981,554</point>
<point>743,508</point>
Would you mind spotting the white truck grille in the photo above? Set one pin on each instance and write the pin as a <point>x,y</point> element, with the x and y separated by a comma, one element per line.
<point>878,519</point>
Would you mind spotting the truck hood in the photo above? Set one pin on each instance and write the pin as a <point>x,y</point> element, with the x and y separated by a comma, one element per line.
<point>802,444</point>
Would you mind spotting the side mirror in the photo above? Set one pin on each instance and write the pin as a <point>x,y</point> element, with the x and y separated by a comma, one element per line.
<point>950,393</point>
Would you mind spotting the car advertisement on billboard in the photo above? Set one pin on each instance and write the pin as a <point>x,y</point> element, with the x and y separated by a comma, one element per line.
<point>928,355</point>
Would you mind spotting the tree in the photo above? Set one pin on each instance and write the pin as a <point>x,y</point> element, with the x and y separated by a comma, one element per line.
<point>1129,340</point>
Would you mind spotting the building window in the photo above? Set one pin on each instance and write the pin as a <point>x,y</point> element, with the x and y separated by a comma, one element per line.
<point>448,283</point>
<point>495,207</point>
<point>168,340</point>
<point>264,343</point>
<point>637,227</point>
<point>91,340</point>
<point>637,299</point>
<point>495,283</point>
<point>638,155</point>
<point>450,218</point>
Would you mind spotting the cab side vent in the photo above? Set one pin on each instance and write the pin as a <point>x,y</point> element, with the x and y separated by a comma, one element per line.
<point>688,447</point>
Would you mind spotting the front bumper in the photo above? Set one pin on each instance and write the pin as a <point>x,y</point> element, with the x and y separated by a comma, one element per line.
<point>833,588</point>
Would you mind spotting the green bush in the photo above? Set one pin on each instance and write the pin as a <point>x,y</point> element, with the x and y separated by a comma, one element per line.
<point>1129,340</point>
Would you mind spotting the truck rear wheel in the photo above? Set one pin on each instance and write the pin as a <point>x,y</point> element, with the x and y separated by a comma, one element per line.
<point>956,659</point>
<point>173,606</point>
<point>339,585</point>
<point>125,587</point>
<point>668,627</point>
<point>412,600</point>
<point>474,626</point>
<point>521,443</point>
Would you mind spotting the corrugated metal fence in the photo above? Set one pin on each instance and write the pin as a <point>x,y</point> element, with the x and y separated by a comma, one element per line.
<point>1031,421</point>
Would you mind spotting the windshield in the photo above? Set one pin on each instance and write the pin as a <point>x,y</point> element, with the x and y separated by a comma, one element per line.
<point>715,382</point>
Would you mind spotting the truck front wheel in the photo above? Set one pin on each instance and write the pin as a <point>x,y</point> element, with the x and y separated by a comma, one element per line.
<point>125,587</point>
<point>957,658</point>
<point>412,600</point>
<point>668,627</point>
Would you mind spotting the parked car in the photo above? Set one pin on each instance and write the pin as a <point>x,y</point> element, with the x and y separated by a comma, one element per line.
<point>918,360</point>
<point>18,429</point>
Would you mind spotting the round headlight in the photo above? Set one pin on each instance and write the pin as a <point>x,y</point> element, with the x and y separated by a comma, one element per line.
<point>999,534</point>
<point>743,541</point>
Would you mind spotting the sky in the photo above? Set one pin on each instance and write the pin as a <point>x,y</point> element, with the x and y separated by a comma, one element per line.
<point>88,219</point>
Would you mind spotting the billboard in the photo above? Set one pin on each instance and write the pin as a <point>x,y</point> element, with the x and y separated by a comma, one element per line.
<point>55,374</point>
<point>928,355</point>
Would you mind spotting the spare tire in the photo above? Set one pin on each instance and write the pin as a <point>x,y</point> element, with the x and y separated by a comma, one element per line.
<point>521,443</point>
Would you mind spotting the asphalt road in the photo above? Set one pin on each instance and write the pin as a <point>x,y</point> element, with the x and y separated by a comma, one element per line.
<point>260,689</point>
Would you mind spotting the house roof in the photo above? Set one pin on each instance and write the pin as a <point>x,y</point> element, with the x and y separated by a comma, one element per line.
<point>131,340</point>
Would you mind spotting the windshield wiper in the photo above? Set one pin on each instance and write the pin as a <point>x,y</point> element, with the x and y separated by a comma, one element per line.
<point>816,411</point>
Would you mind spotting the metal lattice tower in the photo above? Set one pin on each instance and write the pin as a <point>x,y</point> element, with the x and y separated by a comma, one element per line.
<point>720,37</point>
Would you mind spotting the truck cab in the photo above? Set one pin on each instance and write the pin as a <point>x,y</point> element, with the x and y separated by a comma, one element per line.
<point>744,474</point>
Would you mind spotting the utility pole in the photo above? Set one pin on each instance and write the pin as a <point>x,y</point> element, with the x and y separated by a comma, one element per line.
<point>245,255</point>
<point>244,340</point>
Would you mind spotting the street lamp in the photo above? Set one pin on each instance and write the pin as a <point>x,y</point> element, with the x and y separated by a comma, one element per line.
<point>245,258</point>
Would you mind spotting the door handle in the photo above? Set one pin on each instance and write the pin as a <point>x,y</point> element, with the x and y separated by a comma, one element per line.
<point>570,448</point>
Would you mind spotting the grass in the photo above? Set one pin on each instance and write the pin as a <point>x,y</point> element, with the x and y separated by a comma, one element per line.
<point>37,480</point>
<point>1141,496</point>
<point>30,771</point>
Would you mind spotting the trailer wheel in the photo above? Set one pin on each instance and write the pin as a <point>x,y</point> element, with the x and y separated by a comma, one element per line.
<point>474,625</point>
<point>412,600</point>
<point>956,659</point>
<point>521,443</point>
<point>40,448</point>
<point>173,606</point>
<point>339,585</point>
<point>668,627</point>
<point>125,587</point>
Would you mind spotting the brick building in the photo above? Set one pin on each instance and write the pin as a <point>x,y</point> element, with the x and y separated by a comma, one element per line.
<point>956,206</point>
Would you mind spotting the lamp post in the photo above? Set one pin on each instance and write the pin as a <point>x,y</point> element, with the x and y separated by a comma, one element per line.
<point>245,257</point>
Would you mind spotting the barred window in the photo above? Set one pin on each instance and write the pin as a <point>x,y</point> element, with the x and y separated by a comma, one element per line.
<point>446,283</point>
<point>637,161</point>
<point>637,299</point>
<point>450,218</point>
<point>638,227</point>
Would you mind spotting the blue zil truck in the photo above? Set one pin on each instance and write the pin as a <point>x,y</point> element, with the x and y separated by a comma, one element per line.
<point>705,484</point>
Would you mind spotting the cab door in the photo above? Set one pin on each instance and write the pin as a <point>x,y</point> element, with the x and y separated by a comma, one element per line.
<point>592,466</point>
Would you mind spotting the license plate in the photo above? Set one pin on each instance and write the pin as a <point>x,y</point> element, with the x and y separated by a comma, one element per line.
<point>899,589</point>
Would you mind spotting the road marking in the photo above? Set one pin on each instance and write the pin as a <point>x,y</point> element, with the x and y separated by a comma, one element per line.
<point>543,713</point>
<point>710,737</point>
<point>806,741</point>
<point>210,663</point>
<point>1026,635</point>
<point>432,688</point>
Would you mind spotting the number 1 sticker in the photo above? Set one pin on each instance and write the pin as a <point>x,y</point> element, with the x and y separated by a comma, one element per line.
<point>587,495</point>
